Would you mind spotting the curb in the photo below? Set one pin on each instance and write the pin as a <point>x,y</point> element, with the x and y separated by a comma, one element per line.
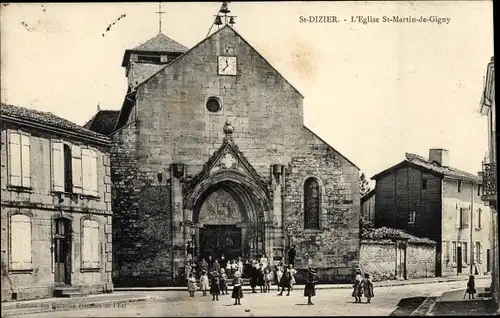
<point>51,306</point>
<point>301,287</point>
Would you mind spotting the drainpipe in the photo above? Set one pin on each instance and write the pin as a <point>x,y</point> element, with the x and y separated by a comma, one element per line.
<point>471,228</point>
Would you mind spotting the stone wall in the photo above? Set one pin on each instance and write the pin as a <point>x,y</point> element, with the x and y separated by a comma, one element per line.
<point>379,260</point>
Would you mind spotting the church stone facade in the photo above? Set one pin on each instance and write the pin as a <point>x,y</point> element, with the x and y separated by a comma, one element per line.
<point>210,147</point>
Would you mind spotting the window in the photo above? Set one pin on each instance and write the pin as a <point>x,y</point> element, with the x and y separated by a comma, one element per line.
<point>411,217</point>
<point>424,184</point>
<point>459,186</point>
<point>478,252</point>
<point>68,177</point>
<point>20,242</point>
<point>479,190</point>
<point>478,220</point>
<point>465,256</point>
<point>454,252</point>
<point>463,218</point>
<point>90,244</point>
<point>19,160</point>
<point>446,251</point>
<point>149,58</point>
<point>213,104</point>
<point>311,204</point>
<point>74,170</point>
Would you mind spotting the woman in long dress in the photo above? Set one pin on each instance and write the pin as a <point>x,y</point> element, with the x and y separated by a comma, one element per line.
<point>368,288</point>
<point>191,284</point>
<point>279,274</point>
<point>310,289</point>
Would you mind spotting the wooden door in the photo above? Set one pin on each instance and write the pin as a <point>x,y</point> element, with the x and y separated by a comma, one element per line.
<point>216,240</point>
<point>459,260</point>
<point>62,252</point>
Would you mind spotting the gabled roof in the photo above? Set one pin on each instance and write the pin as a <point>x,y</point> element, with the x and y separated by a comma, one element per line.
<point>159,44</point>
<point>420,163</point>
<point>206,39</point>
<point>46,120</point>
<point>103,122</point>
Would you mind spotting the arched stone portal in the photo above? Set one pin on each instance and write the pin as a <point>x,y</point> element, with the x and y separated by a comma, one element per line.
<point>229,212</point>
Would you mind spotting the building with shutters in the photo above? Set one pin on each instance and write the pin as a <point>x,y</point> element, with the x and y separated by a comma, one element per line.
<point>55,207</point>
<point>428,198</point>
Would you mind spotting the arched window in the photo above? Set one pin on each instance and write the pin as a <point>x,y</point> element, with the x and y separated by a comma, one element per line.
<point>312,203</point>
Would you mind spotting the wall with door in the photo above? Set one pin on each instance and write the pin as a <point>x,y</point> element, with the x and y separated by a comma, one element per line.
<point>385,260</point>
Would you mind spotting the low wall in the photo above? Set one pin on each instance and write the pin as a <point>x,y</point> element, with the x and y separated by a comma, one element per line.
<point>378,258</point>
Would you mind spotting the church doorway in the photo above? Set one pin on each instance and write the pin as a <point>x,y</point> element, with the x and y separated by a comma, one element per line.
<point>218,240</point>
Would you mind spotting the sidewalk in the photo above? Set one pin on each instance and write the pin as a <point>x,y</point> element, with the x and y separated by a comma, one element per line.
<point>60,304</point>
<point>388,283</point>
<point>453,303</point>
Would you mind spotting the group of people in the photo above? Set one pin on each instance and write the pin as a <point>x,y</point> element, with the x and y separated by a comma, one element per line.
<point>216,278</point>
<point>362,286</point>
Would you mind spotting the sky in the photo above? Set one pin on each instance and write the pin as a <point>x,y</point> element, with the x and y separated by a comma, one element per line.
<point>372,91</point>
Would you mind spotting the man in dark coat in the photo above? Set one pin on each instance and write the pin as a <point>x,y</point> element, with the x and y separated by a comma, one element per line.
<point>216,266</point>
<point>309,289</point>
<point>291,255</point>
<point>285,281</point>
<point>254,275</point>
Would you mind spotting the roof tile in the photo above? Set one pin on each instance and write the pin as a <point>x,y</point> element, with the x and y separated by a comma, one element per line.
<point>103,122</point>
<point>45,118</point>
<point>447,171</point>
<point>161,43</point>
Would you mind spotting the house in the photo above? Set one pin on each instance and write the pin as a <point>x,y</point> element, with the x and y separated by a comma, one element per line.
<point>428,198</point>
<point>368,205</point>
<point>56,207</point>
<point>210,149</point>
<point>490,181</point>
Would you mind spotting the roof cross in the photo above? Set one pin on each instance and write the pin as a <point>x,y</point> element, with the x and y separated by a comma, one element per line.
<point>159,15</point>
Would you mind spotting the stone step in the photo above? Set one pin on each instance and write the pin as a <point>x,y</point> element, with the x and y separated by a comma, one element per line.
<point>68,292</point>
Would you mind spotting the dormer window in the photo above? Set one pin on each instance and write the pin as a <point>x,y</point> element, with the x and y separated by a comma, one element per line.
<point>149,58</point>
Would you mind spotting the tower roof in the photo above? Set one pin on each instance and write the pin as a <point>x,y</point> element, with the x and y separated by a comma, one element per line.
<point>159,44</point>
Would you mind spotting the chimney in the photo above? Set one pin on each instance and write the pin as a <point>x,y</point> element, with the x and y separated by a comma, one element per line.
<point>440,156</point>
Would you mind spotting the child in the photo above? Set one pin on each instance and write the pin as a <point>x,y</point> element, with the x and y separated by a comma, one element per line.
<point>309,289</point>
<point>236,268</point>
<point>261,280</point>
<point>204,282</point>
<point>471,287</point>
<point>268,277</point>
<point>237,288</point>
<point>223,282</point>
<point>357,291</point>
<point>286,278</point>
<point>191,284</point>
<point>279,274</point>
<point>368,288</point>
<point>214,286</point>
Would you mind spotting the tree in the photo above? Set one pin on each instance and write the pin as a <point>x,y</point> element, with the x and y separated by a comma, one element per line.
<point>365,225</point>
<point>364,185</point>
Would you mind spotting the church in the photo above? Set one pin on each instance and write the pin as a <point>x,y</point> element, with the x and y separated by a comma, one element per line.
<point>210,156</point>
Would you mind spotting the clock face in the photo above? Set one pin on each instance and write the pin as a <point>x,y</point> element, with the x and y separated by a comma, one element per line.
<point>227,65</point>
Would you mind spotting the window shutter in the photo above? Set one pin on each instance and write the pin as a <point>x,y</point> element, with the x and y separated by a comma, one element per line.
<point>20,242</point>
<point>86,248</point>
<point>95,244</point>
<point>25,157</point>
<point>93,173</point>
<point>57,166</point>
<point>15,159</point>
<point>459,215</point>
<point>76,166</point>
<point>86,171</point>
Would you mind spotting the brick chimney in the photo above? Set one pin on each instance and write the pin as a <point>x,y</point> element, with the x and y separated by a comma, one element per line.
<point>440,156</point>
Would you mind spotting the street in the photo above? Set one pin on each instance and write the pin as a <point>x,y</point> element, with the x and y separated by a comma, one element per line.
<point>331,302</point>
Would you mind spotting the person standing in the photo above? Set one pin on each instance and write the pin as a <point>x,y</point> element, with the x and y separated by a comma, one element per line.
<point>293,272</point>
<point>264,261</point>
<point>292,253</point>
<point>215,286</point>
<point>223,282</point>
<point>310,289</point>
<point>239,265</point>
<point>191,284</point>
<point>357,291</point>
<point>285,282</point>
<point>279,275</point>
<point>471,287</point>
<point>254,275</point>
<point>203,266</point>
<point>261,278</point>
<point>204,286</point>
<point>223,261</point>
<point>237,288</point>
<point>216,267</point>
<point>268,277</point>
<point>368,288</point>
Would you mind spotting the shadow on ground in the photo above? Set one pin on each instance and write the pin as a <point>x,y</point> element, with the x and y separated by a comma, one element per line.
<point>408,305</point>
<point>477,307</point>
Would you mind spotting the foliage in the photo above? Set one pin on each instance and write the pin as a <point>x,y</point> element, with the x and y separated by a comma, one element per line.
<point>385,233</point>
<point>364,185</point>
<point>365,224</point>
